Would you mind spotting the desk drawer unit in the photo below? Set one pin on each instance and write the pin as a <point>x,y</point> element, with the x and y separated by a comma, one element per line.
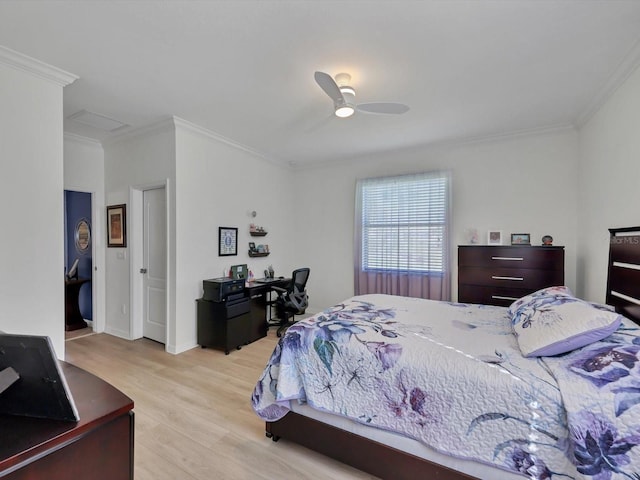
<point>499,275</point>
<point>224,325</point>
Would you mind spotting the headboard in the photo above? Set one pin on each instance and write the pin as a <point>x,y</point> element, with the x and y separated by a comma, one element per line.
<point>623,280</point>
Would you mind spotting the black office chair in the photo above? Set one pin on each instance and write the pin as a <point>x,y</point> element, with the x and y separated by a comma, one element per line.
<point>293,300</point>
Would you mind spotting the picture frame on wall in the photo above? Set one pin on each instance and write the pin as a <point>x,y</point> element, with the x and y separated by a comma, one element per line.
<point>227,241</point>
<point>117,226</point>
<point>520,239</point>
<point>494,237</point>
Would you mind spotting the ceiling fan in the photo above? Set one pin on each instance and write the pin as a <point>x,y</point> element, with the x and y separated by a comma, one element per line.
<point>343,97</point>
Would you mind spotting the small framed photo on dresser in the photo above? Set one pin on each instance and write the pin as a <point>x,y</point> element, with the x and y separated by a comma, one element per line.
<point>494,237</point>
<point>520,239</point>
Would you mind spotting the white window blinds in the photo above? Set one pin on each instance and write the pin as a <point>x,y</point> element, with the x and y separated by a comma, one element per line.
<point>404,222</point>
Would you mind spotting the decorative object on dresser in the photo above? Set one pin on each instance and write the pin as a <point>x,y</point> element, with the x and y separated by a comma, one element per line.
<point>520,239</point>
<point>494,237</point>
<point>499,275</point>
<point>547,240</point>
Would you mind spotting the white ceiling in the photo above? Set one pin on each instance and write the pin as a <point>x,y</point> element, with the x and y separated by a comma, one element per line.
<point>244,69</point>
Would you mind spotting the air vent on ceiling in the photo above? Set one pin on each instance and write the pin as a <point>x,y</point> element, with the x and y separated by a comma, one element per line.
<point>95,120</point>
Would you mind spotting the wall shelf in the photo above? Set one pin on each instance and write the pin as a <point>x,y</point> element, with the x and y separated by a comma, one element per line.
<point>258,254</point>
<point>257,234</point>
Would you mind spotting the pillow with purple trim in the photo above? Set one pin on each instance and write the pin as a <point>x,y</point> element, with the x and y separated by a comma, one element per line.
<point>552,321</point>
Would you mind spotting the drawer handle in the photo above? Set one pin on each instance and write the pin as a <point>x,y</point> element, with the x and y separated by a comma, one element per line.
<point>517,279</point>
<point>517,259</point>
<point>500,297</point>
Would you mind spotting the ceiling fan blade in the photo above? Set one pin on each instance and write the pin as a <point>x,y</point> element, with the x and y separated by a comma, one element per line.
<point>329,86</point>
<point>383,108</point>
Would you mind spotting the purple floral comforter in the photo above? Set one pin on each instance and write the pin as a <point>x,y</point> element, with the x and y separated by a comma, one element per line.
<point>452,376</point>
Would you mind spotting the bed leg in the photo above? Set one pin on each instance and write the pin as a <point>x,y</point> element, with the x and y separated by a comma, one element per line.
<point>273,437</point>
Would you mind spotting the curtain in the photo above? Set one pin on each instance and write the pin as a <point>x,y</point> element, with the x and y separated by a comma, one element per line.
<point>401,241</point>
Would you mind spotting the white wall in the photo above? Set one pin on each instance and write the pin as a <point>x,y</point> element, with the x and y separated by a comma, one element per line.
<point>143,160</point>
<point>520,184</point>
<point>219,184</point>
<point>31,198</point>
<point>84,172</point>
<point>609,187</point>
<point>210,183</point>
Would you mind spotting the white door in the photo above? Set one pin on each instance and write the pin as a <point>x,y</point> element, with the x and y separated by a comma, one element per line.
<point>155,265</point>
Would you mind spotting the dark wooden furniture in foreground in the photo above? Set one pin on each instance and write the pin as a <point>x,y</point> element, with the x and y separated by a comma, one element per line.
<point>72,317</point>
<point>98,447</point>
<point>499,275</point>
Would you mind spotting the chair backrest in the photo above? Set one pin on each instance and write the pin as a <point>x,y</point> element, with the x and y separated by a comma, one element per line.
<point>295,299</point>
<point>299,279</point>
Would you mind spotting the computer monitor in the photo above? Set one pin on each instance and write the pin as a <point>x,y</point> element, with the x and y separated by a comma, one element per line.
<point>239,272</point>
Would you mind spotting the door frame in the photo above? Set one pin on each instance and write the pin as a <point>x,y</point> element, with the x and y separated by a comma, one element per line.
<point>136,243</point>
<point>98,308</point>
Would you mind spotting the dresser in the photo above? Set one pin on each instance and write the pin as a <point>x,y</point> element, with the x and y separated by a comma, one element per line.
<point>98,447</point>
<point>500,274</point>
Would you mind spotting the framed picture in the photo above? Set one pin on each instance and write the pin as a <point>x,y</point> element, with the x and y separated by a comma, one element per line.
<point>494,237</point>
<point>520,239</point>
<point>252,246</point>
<point>227,241</point>
<point>117,226</point>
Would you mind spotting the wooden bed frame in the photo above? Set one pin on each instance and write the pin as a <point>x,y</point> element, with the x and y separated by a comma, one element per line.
<point>623,279</point>
<point>623,292</point>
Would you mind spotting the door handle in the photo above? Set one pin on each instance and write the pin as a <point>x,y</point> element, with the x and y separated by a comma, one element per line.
<point>143,270</point>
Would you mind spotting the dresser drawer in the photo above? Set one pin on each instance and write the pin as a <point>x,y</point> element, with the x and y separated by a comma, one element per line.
<point>501,296</point>
<point>524,278</point>
<point>547,258</point>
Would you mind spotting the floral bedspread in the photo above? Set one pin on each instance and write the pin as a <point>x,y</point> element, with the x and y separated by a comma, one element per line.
<point>451,376</point>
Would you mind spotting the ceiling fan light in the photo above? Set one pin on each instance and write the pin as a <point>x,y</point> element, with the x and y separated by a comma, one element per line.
<point>347,90</point>
<point>344,111</point>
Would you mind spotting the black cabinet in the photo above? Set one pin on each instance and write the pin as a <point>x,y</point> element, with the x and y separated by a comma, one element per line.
<point>224,325</point>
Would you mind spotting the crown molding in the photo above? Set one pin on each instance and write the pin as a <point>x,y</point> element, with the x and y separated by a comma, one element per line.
<point>197,129</point>
<point>35,67</point>
<point>161,126</point>
<point>445,143</point>
<point>505,136</point>
<point>79,139</point>
<point>628,65</point>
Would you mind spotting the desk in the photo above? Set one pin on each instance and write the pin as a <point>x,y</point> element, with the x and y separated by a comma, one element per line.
<point>99,446</point>
<point>260,294</point>
<point>72,317</point>
<point>233,323</point>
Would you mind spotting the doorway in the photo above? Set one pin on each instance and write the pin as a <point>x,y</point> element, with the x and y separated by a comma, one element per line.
<point>78,256</point>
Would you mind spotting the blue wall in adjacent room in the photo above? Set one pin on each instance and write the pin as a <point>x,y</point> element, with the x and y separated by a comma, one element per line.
<point>77,207</point>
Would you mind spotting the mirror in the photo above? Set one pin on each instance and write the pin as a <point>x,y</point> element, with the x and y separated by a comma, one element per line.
<point>83,236</point>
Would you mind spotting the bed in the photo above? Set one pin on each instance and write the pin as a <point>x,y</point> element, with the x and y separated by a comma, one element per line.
<point>410,388</point>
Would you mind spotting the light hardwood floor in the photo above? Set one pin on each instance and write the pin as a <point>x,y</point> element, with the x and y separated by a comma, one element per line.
<point>193,418</point>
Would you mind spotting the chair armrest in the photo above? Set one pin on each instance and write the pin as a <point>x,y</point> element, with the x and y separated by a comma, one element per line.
<point>279,289</point>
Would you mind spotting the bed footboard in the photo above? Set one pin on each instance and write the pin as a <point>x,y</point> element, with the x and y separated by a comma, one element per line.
<point>359,452</point>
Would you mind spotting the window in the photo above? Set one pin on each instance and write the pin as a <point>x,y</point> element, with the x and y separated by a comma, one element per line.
<point>404,223</point>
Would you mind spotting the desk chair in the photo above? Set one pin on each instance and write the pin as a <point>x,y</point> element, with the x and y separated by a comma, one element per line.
<point>292,300</point>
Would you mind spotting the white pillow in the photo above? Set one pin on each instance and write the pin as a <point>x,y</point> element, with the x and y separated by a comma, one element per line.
<point>552,321</point>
